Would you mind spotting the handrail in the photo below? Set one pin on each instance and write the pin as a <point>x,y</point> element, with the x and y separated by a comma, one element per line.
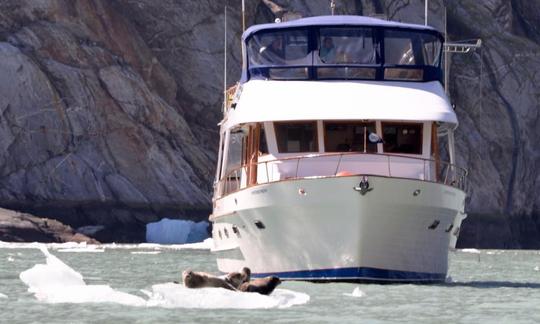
<point>450,174</point>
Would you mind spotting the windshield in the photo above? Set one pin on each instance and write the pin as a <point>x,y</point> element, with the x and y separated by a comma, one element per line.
<point>344,53</point>
<point>279,48</point>
<point>338,45</point>
<point>411,48</point>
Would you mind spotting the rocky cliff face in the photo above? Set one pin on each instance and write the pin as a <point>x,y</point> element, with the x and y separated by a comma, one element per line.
<point>108,108</point>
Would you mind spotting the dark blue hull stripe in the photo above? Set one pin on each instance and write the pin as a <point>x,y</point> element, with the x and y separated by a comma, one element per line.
<point>361,273</point>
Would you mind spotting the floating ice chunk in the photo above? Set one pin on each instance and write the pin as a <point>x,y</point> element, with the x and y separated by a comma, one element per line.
<point>537,268</point>
<point>175,231</point>
<point>171,295</point>
<point>476,251</point>
<point>87,249</point>
<point>10,259</point>
<point>356,293</point>
<point>204,245</point>
<point>3,296</point>
<point>145,252</point>
<point>56,282</point>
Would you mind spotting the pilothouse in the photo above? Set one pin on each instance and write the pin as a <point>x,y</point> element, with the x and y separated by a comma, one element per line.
<point>329,165</point>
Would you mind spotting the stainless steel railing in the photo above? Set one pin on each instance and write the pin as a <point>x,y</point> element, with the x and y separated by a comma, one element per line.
<point>341,164</point>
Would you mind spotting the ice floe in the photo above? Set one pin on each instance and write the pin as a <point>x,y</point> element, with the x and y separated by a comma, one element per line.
<point>56,282</point>
<point>172,295</point>
<point>83,247</point>
<point>476,251</point>
<point>3,296</point>
<point>356,293</point>
<point>145,252</point>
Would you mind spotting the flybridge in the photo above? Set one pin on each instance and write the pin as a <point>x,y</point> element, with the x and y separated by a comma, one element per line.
<point>342,48</point>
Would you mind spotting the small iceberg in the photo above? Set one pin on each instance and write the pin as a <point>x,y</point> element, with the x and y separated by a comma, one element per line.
<point>56,282</point>
<point>356,293</point>
<point>176,231</point>
<point>2,296</point>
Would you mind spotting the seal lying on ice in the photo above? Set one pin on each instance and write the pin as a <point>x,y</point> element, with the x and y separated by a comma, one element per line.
<point>243,282</point>
<point>240,281</point>
<point>236,279</point>
<point>263,286</point>
<point>194,279</point>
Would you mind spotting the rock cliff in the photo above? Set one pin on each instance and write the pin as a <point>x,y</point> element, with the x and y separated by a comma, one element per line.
<point>108,108</point>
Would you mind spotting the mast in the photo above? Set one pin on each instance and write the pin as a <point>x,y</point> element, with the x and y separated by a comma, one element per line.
<point>243,15</point>
<point>426,11</point>
<point>225,63</point>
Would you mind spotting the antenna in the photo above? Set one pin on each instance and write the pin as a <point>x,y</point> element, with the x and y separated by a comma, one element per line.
<point>225,63</point>
<point>426,4</point>
<point>243,15</point>
<point>333,6</point>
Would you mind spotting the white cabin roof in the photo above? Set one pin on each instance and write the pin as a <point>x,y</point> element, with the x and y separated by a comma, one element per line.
<point>264,100</point>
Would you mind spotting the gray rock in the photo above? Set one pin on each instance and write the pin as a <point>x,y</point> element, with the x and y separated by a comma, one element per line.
<point>108,109</point>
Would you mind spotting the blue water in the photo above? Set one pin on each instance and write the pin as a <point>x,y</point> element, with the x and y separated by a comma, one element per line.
<point>490,286</point>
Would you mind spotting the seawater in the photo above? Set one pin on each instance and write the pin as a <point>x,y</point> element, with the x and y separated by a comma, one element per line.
<point>133,284</point>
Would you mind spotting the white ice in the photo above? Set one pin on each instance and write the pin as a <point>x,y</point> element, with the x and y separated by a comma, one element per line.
<point>176,231</point>
<point>56,282</point>
<point>145,252</point>
<point>3,296</point>
<point>356,293</point>
<point>172,295</point>
<point>83,247</point>
<point>476,251</point>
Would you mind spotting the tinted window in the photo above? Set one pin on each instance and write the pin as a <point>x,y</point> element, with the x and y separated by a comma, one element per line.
<point>263,147</point>
<point>347,46</point>
<point>296,137</point>
<point>402,138</point>
<point>279,48</point>
<point>234,154</point>
<point>348,137</point>
<point>411,48</point>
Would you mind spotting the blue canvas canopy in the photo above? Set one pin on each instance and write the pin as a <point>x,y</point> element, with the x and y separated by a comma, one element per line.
<point>344,20</point>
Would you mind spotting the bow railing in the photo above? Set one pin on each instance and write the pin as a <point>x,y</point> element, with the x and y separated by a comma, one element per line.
<point>341,164</point>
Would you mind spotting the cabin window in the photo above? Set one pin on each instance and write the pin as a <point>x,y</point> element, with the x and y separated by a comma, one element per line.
<point>263,146</point>
<point>338,45</point>
<point>348,137</point>
<point>235,151</point>
<point>411,48</point>
<point>296,137</point>
<point>278,48</point>
<point>402,138</point>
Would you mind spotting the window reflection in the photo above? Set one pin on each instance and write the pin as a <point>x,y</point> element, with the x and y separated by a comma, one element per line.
<point>340,45</point>
<point>279,48</point>
<point>296,137</point>
<point>411,48</point>
<point>348,137</point>
<point>402,138</point>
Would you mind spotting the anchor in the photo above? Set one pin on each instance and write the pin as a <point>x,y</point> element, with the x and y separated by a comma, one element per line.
<point>363,186</point>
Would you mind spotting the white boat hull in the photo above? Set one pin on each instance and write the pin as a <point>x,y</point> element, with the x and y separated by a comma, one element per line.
<point>323,229</point>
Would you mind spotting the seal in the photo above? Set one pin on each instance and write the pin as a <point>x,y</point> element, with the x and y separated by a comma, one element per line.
<point>264,286</point>
<point>194,279</point>
<point>236,279</point>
